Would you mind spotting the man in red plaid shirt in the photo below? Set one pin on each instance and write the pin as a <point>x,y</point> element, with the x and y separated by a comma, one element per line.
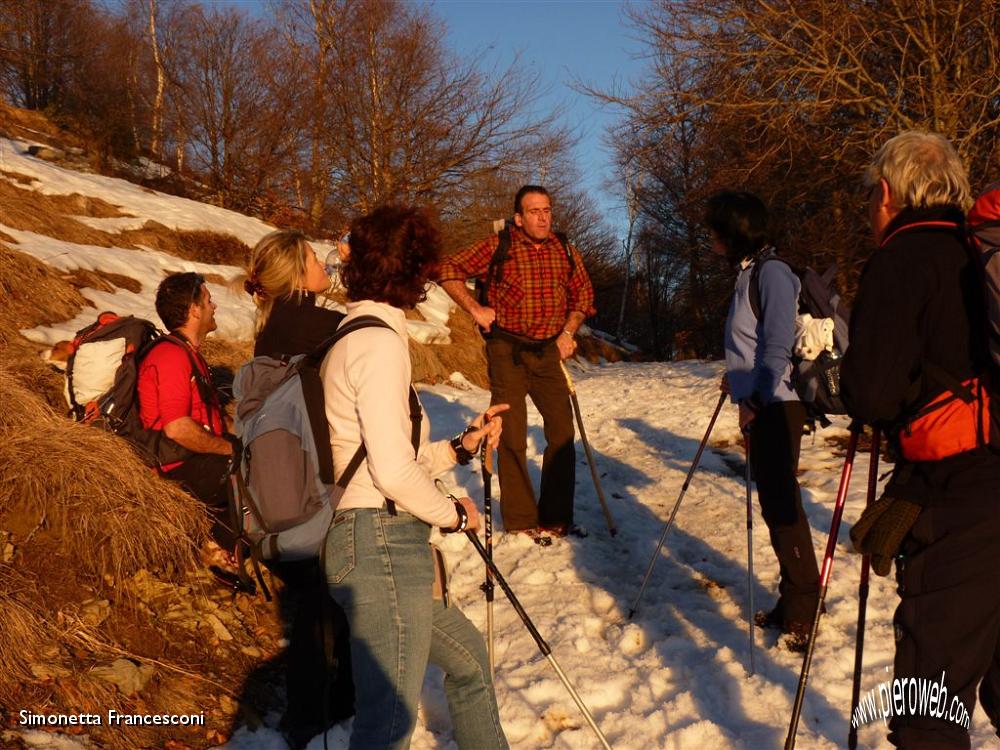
<point>534,305</point>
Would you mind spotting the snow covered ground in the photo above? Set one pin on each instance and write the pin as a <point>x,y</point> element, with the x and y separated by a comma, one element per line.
<point>148,267</point>
<point>675,676</point>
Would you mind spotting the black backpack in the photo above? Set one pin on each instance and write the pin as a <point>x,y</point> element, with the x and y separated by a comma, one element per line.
<point>494,273</point>
<point>816,379</point>
<point>125,342</point>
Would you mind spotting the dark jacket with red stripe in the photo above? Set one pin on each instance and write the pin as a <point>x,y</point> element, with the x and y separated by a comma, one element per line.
<point>920,301</point>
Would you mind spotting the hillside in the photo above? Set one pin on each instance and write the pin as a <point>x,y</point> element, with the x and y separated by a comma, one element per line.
<point>106,600</point>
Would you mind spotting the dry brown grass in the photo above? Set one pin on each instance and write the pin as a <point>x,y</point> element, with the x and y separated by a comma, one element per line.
<point>86,520</point>
<point>594,350</point>
<point>204,247</point>
<point>82,514</point>
<point>31,125</point>
<point>434,363</point>
<point>52,216</point>
<point>46,214</point>
<point>20,179</point>
<point>227,353</point>
<point>33,294</point>
<point>111,513</point>
<point>105,281</point>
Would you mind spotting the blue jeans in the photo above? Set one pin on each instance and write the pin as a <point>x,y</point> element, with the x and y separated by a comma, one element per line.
<point>380,570</point>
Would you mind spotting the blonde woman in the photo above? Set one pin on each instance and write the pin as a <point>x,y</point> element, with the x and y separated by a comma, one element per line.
<point>283,277</point>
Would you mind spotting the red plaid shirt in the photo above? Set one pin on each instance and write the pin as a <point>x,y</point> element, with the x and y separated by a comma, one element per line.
<point>537,291</point>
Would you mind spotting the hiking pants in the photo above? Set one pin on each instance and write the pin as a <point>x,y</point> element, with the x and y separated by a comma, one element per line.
<point>318,658</point>
<point>775,437</point>
<point>948,620</point>
<point>380,569</point>
<point>205,475</point>
<point>512,379</point>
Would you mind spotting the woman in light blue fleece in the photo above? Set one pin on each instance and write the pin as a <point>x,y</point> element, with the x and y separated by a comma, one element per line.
<point>758,338</point>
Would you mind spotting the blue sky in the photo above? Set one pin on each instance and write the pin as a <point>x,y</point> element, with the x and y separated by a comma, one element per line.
<point>566,41</point>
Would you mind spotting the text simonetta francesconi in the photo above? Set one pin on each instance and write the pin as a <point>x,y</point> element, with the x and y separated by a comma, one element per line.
<point>109,718</point>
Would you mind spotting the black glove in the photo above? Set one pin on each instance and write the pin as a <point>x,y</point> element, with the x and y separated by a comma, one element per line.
<point>881,530</point>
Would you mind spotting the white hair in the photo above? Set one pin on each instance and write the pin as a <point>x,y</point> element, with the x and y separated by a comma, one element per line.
<point>922,169</point>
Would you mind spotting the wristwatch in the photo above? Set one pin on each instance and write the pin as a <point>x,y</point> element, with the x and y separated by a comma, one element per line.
<point>463,520</point>
<point>462,454</point>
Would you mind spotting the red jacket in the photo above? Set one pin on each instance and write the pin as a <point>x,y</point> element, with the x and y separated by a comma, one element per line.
<point>168,391</point>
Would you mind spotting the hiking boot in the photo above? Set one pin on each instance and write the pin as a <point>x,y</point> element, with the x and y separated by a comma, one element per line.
<point>561,530</point>
<point>775,619</point>
<point>535,534</point>
<point>772,620</point>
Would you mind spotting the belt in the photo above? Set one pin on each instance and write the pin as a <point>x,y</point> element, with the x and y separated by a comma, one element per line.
<point>521,343</point>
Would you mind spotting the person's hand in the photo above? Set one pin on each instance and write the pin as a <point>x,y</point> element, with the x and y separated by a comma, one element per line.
<point>566,344</point>
<point>484,316</point>
<point>472,511</point>
<point>724,385</point>
<point>747,415</point>
<point>487,425</point>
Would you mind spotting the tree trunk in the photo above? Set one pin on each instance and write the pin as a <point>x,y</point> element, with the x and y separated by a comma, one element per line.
<point>156,126</point>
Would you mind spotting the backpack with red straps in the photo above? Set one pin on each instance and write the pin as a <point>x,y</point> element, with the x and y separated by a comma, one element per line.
<point>964,415</point>
<point>102,374</point>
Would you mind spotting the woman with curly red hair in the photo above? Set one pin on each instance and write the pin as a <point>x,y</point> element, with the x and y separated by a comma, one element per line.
<point>379,564</point>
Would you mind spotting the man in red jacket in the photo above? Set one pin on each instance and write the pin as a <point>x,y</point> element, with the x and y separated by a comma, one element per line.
<point>176,395</point>
<point>916,368</point>
<point>535,302</point>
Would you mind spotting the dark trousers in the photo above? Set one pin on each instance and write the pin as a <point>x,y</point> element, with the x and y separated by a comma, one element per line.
<point>948,618</point>
<point>775,437</point>
<point>205,476</point>
<point>318,659</point>
<point>536,375</point>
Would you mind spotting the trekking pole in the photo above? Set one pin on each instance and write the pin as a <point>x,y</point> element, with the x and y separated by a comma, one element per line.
<point>673,513</point>
<point>486,461</point>
<point>852,734</point>
<point>750,610</point>
<point>539,641</point>
<point>612,529</point>
<point>824,582</point>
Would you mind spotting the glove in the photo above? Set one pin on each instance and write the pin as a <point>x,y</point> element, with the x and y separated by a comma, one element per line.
<point>881,530</point>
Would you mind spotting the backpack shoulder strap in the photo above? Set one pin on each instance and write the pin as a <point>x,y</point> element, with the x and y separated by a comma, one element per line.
<point>494,272</point>
<point>202,381</point>
<point>564,241</point>
<point>312,393</point>
<point>315,357</point>
<point>754,291</point>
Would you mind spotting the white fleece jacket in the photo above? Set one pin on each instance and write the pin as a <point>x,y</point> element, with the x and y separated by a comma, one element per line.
<point>366,380</point>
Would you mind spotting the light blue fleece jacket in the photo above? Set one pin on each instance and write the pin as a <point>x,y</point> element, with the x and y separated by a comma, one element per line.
<point>759,352</point>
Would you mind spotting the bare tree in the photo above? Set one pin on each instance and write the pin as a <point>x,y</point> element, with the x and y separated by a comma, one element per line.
<point>235,90</point>
<point>790,99</point>
<point>393,115</point>
<point>40,45</point>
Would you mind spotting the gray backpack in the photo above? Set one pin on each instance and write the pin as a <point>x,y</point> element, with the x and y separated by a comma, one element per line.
<point>284,494</point>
